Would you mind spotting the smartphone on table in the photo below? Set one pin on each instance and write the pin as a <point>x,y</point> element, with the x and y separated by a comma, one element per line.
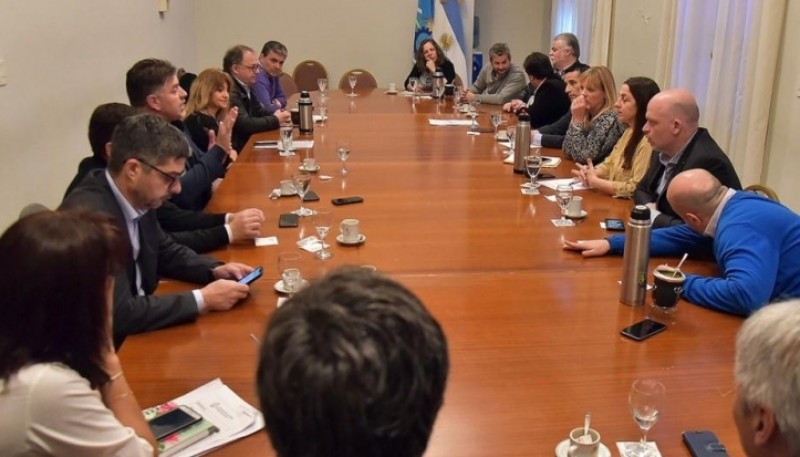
<point>173,421</point>
<point>703,443</point>
<point>642,330</point>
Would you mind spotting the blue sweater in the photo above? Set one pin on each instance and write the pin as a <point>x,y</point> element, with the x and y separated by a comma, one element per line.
<point>757,248</point>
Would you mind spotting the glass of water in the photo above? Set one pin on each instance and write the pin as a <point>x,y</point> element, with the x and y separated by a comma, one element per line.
<point>289,265</point>
<point>352,79</point>
<point>322,83</point>
<point>496,121</point>
<point>646,400</point>
<point>286,140</point>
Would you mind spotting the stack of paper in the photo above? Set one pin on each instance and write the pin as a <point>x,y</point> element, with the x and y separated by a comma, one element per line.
<point>449,122</point>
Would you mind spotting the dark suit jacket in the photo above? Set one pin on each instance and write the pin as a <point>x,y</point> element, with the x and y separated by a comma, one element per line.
<point>550,104</point>
<point>553,134</point>
<point>159,255</point>
<point>252,116</point>
<point>701,152</point>
<point>199,231</point>
<point>202,169</point>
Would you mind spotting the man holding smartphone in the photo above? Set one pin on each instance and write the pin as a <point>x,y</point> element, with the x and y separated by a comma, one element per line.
<point>755,241</point>
<point>147,159</point>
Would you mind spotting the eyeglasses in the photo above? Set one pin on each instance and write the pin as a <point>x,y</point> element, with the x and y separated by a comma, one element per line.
<point>255,68</point>
<point>170,179</point>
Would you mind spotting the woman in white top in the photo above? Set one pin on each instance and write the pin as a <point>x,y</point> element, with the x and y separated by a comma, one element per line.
<point>62,389</point>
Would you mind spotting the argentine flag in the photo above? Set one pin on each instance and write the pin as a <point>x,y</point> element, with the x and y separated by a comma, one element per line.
<point>451,27</point>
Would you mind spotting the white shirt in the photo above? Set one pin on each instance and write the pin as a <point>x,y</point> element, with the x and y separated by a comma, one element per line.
<point>49,409</point>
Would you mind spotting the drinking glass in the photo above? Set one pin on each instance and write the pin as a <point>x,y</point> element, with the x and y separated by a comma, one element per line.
<point>512,135</point>
<point>533,164</point>
<point>289,265</point>
<point>301,182</point>
<point>563,197</point>
<point>456,99</point>
<point>286,140</point>
<point>496,121</point>
<point>323,221</point>
<point>413,82</point>
<point>473,113</point>
<point>439,87</point>
<point>343,152</point>
<point>352,80</point>
<point>322,83</point>
<point>646,400</point>
<point>323,109</point>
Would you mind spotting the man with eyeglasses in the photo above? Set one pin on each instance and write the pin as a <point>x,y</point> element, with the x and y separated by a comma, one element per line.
<point>564,54</point>
<point>148,159</point>
<point>242,64</point>
<point>153,87</point>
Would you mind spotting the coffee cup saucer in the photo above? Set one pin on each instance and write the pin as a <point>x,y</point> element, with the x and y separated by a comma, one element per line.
<point>391,92</point>
<point>313,169</point>
<point>579,216</point>
<point>281,287</point>
<point>562,450</point>
<point>361,239</point>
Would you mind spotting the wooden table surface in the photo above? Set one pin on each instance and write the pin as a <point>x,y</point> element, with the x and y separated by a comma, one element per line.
<point>533,329</point>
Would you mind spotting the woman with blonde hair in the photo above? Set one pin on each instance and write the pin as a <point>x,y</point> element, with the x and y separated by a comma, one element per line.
<point>595,128</point>
<point>208,104</point>
<point>628,162</point>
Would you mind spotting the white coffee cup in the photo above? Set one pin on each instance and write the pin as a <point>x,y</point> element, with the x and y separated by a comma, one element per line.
<point>309,163</point>
<point>392,87</point>
<point>350,230</point>
<point>287,188</point>
<point>584,445</point>
<point>575,207</point>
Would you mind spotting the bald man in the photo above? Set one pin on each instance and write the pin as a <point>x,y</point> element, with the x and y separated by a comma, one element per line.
<point>678,144</point>
<point>755,241</point>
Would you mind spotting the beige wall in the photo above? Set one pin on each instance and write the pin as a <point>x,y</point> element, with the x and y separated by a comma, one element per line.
<point>63,59</point>
<point>523,24</point>
<point>635,32</point>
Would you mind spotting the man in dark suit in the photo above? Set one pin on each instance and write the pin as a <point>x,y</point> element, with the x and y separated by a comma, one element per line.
<point>552,135</point>
<point>200,231</point>
<point>242,64</point>
<point>544,97</point>
<point>153,86</point>
<point>565,53</point>
<point>148,158</point>
<point>678,144</point>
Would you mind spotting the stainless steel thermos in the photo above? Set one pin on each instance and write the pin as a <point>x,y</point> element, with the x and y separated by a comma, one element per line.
<point>636,257</point>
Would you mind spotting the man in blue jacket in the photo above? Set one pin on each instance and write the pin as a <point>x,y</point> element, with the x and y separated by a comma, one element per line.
<point>755,241</point>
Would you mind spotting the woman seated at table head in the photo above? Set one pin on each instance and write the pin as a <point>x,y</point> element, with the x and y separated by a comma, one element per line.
<point>595,128</point>
<point>430,57</point>
<point>207,105</point>
<point>62,389</point>
<point>544,97</point>
<point>619,174</point>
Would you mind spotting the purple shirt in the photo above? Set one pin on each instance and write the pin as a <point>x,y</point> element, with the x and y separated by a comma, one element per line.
<point>266,89</point>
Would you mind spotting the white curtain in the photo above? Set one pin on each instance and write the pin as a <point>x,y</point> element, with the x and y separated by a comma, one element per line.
<point>590,21</point>
<point>725,52</point>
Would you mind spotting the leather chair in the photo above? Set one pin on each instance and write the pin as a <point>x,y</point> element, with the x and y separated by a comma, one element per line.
<point>306,74</point>
<point>364,77</point>
<point>763,191</point>
<point>288,85</point>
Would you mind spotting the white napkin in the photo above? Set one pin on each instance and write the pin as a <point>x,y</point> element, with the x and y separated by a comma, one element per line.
<point>622,445</point>
<point>267,241</point>
<point>311,244</point>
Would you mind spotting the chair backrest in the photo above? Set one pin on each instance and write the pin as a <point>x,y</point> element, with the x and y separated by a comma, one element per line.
<point>764,191</point>
<point>32,208</point>
<point>288,85</point>
<point>306,74</point>
<point>364,78</point>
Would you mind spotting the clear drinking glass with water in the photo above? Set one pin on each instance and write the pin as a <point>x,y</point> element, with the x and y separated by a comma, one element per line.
<point>646,400</point>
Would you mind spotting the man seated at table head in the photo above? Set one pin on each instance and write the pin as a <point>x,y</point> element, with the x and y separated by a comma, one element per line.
<point>147,159</point>
<point>552,135</point>
<point>242,64</point>
<point>499,80</point>
<point>678,144</point>
<point>153,87</point>
<point>767,405</point>
<point>267,88</point>
<point>565,52</point>
<point>353,365</point>
<point>755,242</point>
<point>200,231</point>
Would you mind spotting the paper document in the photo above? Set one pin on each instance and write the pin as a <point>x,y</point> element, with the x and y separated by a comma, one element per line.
<point>296,144</point>
<point>554,183</point>
<point>449,122</point>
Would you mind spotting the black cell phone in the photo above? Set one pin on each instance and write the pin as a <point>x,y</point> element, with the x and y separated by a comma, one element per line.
<point>311,196</point>
<point>703,443</point>
<point>617,225</point>
<point>173,421</point>
<point>546,176</point>
<point>252,276</point>
<point>288,220</point>
<point>346,200</point>
<point>643,330</point>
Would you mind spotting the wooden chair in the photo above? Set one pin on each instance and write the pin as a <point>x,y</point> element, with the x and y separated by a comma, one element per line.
<point>763,191</point>
<point>288,85</point>
<point>364,77</point>
<point>32,208</point>
<point>306,74</point>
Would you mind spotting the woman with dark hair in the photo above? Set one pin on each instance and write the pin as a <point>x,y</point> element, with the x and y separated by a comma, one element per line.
<point>430,57</point>
<point>62,388</point>
<point>628,162</point>
<point>207,105</point>
<point>544,97</point>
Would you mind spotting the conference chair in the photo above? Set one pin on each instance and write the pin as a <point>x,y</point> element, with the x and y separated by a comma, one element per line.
<point>32,208</point>
<point>364,78</point>
<point>288,85</point>
<point>764,191</point>
<point>306,74</point>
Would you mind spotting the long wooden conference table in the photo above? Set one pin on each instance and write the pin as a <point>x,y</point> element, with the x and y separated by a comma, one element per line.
<point>533,330</point>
